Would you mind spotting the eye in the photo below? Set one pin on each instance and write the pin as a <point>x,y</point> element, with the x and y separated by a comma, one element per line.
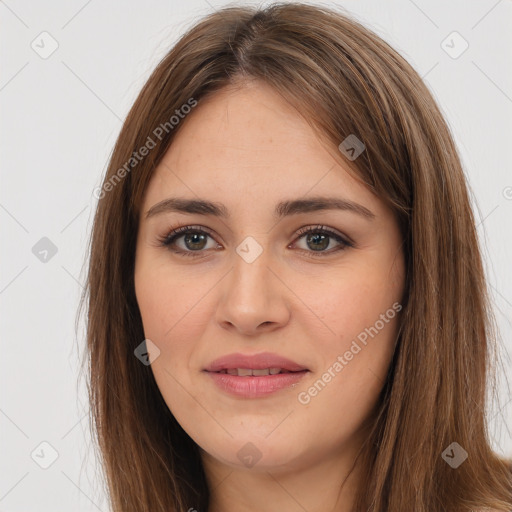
<point>195,240</point>
<point>319,238</point>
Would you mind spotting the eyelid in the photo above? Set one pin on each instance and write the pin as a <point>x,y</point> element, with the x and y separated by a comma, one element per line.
<point>321,227</point>
<point>175,232</point>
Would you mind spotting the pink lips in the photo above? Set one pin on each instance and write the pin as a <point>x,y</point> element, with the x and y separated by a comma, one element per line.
<point>254,386</point>
<point>255,362</point>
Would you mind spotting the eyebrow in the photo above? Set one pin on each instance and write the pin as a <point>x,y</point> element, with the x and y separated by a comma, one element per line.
<point>282,209</point>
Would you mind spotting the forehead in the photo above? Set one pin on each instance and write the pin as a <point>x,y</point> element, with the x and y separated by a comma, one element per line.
<point>248,127</point>
<point>249,142</point>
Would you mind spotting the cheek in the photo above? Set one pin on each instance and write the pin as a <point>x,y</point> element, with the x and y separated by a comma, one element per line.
<point>350,300</point>
<point>175,311</point>
<point>167,301</point>
<point>354,365</point>
<point>173,317</point>
<point>359,315</point>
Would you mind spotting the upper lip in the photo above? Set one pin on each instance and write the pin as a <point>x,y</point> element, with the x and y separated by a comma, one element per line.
<point>254,362</point>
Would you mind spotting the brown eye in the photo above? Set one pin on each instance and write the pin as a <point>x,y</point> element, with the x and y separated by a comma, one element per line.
<point>317,241</point>
<point>194,241</point>
<point>319,238</point>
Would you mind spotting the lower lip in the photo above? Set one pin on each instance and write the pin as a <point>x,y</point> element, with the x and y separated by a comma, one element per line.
<point>254,387</point>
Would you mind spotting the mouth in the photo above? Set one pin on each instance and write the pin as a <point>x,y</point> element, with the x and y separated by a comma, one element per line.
<point>248,372</point>
<point>254,376</point>
<point>265,363</point>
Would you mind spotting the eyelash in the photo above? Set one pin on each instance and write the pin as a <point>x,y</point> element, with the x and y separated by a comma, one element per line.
<point>174,234</point>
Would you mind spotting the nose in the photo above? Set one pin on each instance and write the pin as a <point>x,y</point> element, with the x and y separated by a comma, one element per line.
<point>254,298</point>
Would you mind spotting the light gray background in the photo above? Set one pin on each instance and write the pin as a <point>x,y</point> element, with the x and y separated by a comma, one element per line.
<point>59,119</point>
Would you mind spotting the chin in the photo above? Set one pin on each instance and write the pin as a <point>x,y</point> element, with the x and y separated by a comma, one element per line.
<point>254,453</point>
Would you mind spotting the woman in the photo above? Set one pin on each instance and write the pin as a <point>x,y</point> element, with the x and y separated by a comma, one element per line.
<point>286,303</point>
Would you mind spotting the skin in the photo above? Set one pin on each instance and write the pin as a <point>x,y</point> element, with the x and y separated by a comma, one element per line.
<point>249,149</point>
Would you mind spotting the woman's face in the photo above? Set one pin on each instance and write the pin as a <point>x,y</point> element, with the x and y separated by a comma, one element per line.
<point>250,280</point>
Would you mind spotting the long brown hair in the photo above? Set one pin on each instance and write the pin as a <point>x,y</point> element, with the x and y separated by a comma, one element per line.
<point>345,81</point>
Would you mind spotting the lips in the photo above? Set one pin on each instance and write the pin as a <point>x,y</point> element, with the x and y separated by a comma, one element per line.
<point>262,364</point>
<point>255,376</point>
<point>249,372</point>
